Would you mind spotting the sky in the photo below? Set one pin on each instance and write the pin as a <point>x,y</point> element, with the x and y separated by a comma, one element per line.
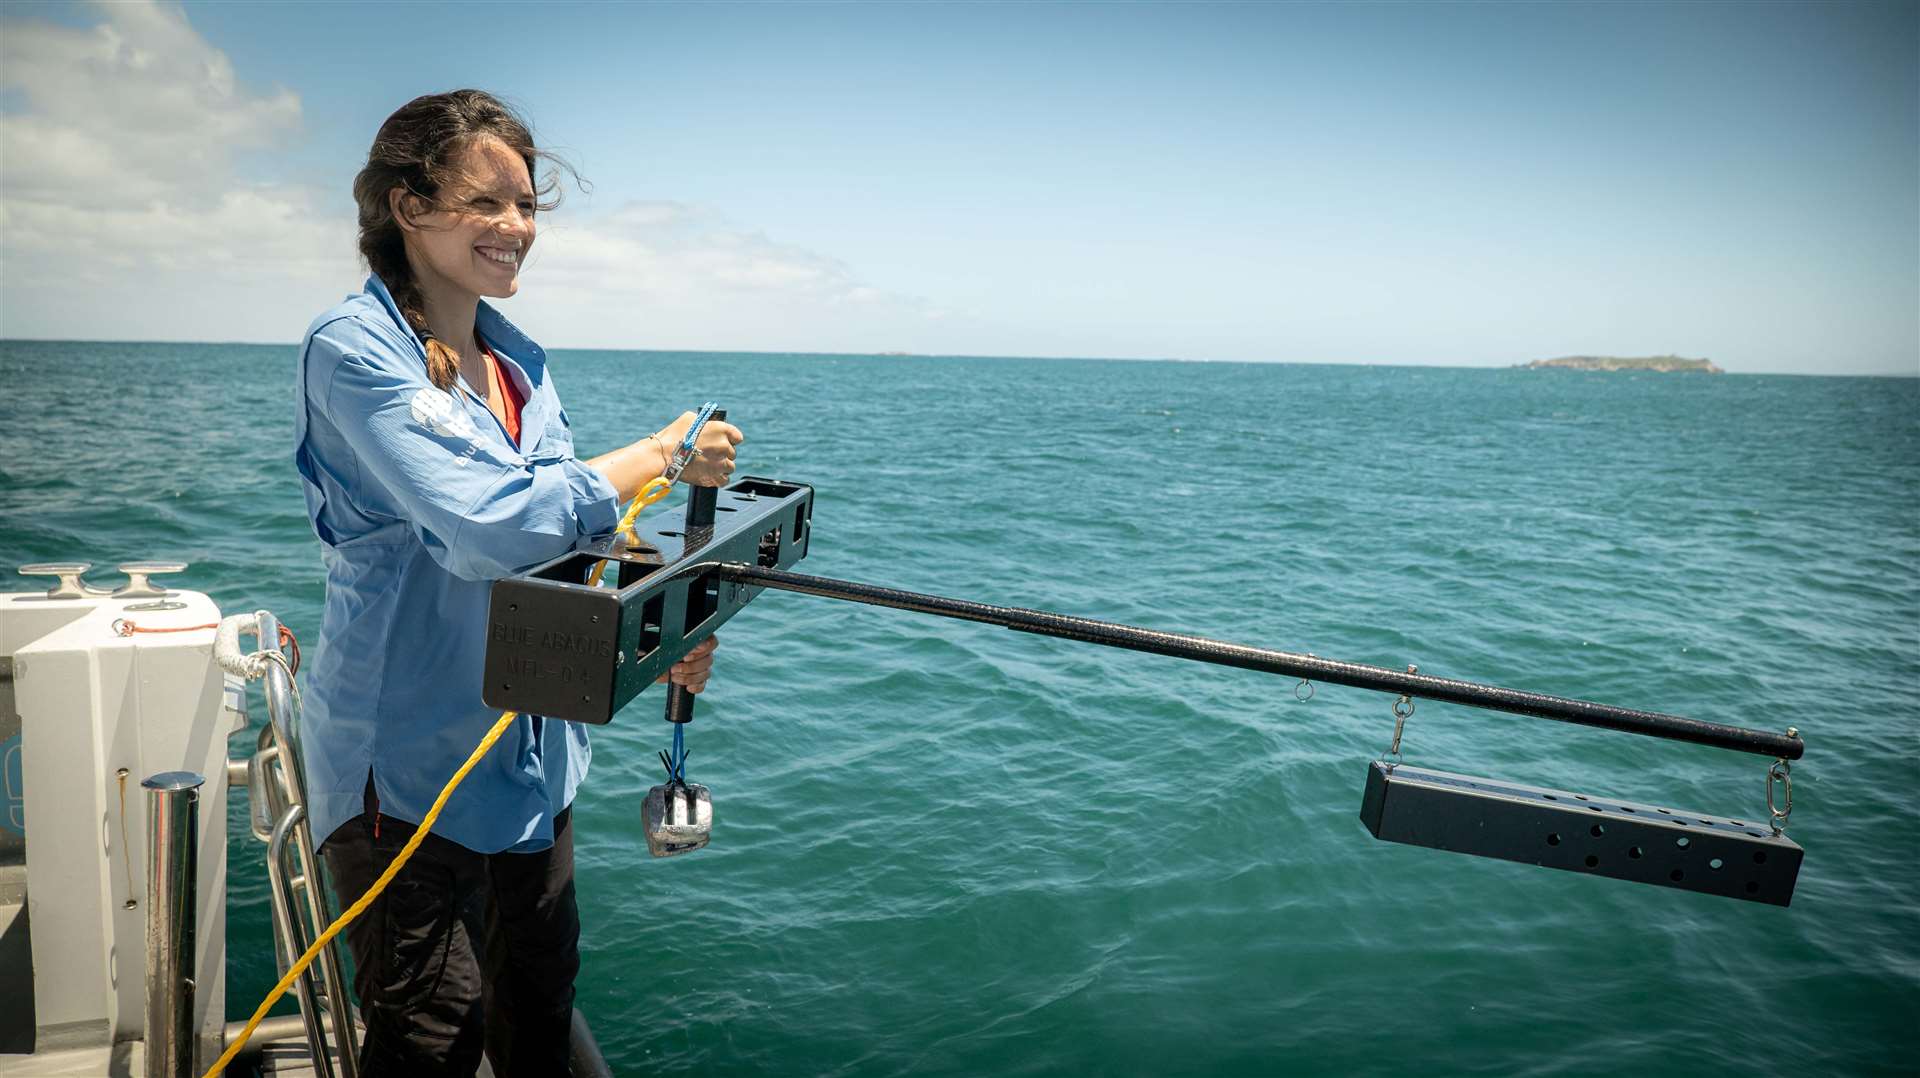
<point>1430,183</point>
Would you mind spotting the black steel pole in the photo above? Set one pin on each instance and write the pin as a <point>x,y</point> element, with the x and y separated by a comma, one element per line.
<point>1292,664</point>
<point>699,515</point>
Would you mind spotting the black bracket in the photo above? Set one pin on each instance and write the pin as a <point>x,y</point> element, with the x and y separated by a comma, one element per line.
<point>563,649</point>
<point>1599,836</point>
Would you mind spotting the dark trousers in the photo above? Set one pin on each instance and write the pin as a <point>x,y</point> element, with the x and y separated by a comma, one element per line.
<point>463,952</point>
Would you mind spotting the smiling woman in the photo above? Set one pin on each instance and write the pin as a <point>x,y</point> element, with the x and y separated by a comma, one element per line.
<point>436,458</point>
<point>450,180</point>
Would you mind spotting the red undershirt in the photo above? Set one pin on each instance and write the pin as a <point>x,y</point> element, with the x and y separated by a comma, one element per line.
<point>500,387</point>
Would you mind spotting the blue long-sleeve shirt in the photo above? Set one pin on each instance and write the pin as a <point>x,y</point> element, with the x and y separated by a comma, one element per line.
<point>420,501</point>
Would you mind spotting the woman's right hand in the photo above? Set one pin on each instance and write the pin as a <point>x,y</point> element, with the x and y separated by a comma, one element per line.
<point>712,462</point>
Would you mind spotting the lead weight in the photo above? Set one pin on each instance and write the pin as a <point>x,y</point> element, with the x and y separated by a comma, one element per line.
<point>679,818</point>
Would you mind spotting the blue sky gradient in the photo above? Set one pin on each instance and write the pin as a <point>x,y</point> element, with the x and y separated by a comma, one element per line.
<point>1476,184</point>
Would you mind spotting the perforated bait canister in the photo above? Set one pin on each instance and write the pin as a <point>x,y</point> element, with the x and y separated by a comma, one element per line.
<point>679,818</point>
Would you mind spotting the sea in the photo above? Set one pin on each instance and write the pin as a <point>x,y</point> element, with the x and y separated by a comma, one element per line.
<point>948,849</point>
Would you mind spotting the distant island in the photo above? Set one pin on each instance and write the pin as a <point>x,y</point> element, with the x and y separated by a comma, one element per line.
<point>1662,364</point>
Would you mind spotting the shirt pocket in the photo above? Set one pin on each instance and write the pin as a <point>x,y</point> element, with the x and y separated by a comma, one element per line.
<point>557,439</point>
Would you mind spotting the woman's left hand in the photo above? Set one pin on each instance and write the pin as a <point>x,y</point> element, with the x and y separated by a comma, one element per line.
<point>692,671</point>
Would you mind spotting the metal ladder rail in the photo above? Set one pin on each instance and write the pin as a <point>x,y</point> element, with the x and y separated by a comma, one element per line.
<point>290,941</point>
<point>278,818</point>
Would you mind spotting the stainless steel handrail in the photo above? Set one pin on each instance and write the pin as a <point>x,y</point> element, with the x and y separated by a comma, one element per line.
<point>294,941</point>
<point>260,815</point>
<point>280,1027</point>
<point>277,791</point>
<point>277,816</point>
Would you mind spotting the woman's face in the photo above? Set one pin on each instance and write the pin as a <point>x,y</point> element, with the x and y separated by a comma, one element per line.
<point>474,244</point>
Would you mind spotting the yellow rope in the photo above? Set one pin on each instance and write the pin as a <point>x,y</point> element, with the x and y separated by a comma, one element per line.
<point>655,490</point>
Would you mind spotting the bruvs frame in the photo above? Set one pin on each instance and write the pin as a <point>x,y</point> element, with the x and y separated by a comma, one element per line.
<point>559,648</point>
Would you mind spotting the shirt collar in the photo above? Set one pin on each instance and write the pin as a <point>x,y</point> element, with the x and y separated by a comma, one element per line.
<point>377,288</point>
<point>500,334</point>
<point>504,336</point>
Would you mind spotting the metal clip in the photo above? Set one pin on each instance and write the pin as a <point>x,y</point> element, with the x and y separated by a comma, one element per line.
<point>1781,773</point>
<point>684,453</point>
<point>1402,711</point>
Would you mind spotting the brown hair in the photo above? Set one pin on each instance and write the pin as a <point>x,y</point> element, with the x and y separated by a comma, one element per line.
<point>414,151</point>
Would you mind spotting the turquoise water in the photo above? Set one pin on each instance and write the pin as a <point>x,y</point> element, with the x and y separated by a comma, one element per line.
<point>950,849</point>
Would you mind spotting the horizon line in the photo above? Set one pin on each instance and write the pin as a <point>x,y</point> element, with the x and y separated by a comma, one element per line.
<point>964,355</point>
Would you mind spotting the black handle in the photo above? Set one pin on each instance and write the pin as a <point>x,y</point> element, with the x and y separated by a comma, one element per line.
<point>679,704</point>
<point>699,515</point>
<point>700,502</point>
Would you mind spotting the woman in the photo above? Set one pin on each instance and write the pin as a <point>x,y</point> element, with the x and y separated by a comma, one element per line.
<point>436,458</point>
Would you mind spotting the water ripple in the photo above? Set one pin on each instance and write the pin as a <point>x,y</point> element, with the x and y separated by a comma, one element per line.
<point>949,849</point>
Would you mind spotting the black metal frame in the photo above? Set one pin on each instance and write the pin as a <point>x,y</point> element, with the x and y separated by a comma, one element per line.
<point>557,647</point>
<point>561,648</point>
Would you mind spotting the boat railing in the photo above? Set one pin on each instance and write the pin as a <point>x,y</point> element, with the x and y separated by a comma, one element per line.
<point>299,900</point>
<point>277,812</point>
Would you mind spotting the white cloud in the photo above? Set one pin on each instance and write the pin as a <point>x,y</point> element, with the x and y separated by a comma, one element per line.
<point>119,204</point>
<point>663,274</point>
<point>123,215</point>
<point>675,251</point>
<point>137,108</point>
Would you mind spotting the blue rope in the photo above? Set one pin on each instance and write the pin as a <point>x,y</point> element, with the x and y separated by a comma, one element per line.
<point>675,761</point>
<point>699,420</point>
